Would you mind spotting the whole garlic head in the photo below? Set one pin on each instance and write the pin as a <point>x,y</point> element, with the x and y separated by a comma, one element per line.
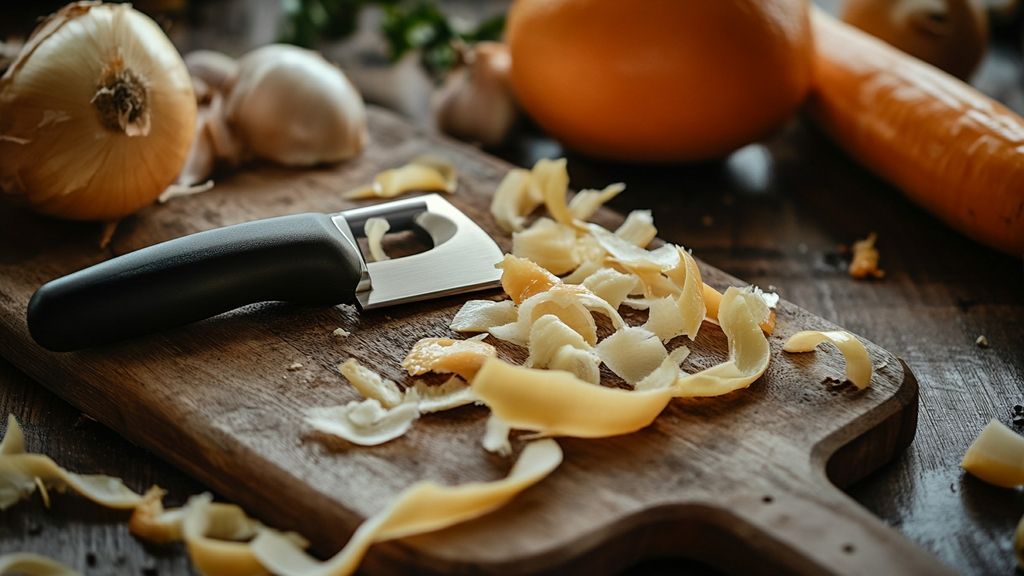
<point>476,103</point>
<point>290,106</point>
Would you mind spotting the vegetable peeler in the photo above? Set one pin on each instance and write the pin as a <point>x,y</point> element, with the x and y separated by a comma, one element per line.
<point>304,258</point>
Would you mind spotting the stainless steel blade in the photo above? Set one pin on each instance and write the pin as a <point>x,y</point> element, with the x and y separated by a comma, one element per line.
<point>463,258</point>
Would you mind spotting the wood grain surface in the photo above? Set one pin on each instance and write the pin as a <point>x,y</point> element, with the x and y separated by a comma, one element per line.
<point>218,400</point>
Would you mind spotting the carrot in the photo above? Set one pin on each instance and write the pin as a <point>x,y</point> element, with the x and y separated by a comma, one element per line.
<point>951,149</point>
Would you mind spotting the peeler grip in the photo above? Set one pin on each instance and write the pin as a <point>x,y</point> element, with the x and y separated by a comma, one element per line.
<point>303,258</point>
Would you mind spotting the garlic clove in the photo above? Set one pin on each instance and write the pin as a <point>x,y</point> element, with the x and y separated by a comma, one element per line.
<point>290,106</point>
<point>217,71</point>
<point>476,103</point>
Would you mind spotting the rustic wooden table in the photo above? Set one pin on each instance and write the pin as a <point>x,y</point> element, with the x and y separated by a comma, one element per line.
<point>776,215</point>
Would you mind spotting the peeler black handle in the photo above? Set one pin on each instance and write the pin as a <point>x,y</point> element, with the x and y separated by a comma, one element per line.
<point>303,258</point>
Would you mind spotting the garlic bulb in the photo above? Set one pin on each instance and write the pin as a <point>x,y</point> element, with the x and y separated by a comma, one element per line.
<point>291,106</point>
<point>96,114</point>
<point>476,102</point>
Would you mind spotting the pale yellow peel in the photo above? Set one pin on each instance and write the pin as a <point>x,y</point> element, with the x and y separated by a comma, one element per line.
<point>632,353</point>
<point>548,243</point>
<point>423,507</point>
<point>587,202</point>
<point>858,362</point>
<point>447,356</point>
<point>365,423</point>
<point>30,564</point>
<point>996,456</point>
<point>371,384</point>
<point>749,352</point>
<point>516,197</point>
<point>375,229</point>
<point>453,393</point>
<point>482,315</point>
<point>555,345</point>
<point>20,470</point>
<point>557,403</point>
<point>521,278</point>
<point>610,285</point>
<point>552,178</point>
<point>638,228</point>
<point>425,173</point>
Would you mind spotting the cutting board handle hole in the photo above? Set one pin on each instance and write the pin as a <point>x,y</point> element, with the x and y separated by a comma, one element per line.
<point>767,499</point>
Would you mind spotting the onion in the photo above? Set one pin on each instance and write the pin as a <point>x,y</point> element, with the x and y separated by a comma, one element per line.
<point>96,114</point>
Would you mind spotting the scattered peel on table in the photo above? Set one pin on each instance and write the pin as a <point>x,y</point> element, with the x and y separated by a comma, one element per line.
<point>21,474</point>
<point>572,304</point>
<point>741,313</point>
<point>375,229</point>
<point>30,564</point>
<point>365,423</point>
<point>638,228</point>
<point>481,315</point>
<point>554,344</point>
<point>447,356</point>
<point>521,278</point>
<point>371,384</point>
<point>865,259</point>
<point>610,285</point>
<point>586,203</point>
<point>516,197</point>
<point>495,440</point>
<point>423,507</point>
<point>632,353</point>
<point>667,373</point>
<point>858,363</point>
<point>996,456</point>
<point>453,393</point>
<point>423,173</point>
<point>558,403</point>
<point>549,244</point>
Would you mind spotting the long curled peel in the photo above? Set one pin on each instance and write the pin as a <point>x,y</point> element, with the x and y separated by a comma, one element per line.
<point>423,507</point>
<point>858,363</point>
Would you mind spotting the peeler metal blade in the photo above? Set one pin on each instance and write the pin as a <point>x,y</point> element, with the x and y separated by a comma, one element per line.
<point>463,257</point>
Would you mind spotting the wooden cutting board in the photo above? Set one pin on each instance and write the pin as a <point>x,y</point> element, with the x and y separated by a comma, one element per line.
<point>741,482</point>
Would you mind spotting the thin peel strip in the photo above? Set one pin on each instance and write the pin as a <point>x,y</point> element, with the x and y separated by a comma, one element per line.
<point>550,244</point>
<point>29,564</point>
<point>749,352</point>
<point>516,197</point>
<point>521,278</point>
<point>587,202</point>
<point>19,471</point>
<point>495,440</point>
<point>482,315</point>
<point>423,507</point>
<point>453,393</point>
<point>552,178</point>
<point>858,363</point>
<point>375,229</point>
<point>424,173</point>
<point>371,384</point>
<point>632,353</point>
<point>556,403</point>
<point>547,335</point>
<point>447,356</point>
<point>638,228</point>
<point>610,285</point>
<point>667,373</point>
<point>365,423</point>
<point>996,456</point>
